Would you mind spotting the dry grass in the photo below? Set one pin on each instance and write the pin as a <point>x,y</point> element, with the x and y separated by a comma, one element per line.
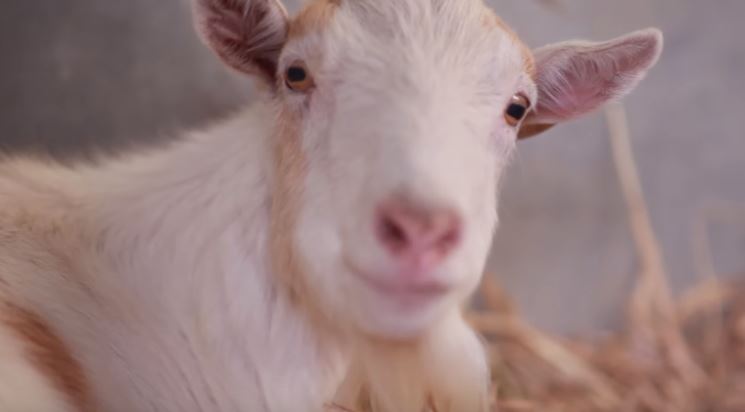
<point>676,356</point>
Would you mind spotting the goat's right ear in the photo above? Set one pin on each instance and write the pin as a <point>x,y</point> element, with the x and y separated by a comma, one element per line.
<point>248,35</point>
<point>575,78</point>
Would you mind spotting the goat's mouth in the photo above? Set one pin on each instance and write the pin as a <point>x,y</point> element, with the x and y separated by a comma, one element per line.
<point>406,292</point>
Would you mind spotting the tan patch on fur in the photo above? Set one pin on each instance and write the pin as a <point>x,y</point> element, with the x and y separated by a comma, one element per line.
<point>289,173</point>
<point>290,169</point>
<point>313,17</point>
<point>49,354</point>
<point>492,20</point>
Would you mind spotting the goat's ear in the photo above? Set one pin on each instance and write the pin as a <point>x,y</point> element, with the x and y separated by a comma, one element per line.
<point>575,78</point>
<point>248,35</point>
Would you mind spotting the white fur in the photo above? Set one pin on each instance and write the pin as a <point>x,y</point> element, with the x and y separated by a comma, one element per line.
<point>168,302</point>
<point>373,133</point>
<point>155,268</point>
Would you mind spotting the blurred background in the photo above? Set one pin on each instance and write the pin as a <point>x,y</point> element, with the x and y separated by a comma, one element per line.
<point>79,76</point>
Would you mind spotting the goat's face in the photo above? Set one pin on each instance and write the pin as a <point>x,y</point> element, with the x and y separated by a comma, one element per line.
<point>404,140</point>
<point>396,121</point>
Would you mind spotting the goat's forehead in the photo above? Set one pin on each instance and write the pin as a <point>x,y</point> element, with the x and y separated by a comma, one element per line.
<point>454,32</point>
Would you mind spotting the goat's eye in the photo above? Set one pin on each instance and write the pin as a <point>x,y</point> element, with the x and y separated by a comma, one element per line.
<point>297,77</point>
<point>517,109</point>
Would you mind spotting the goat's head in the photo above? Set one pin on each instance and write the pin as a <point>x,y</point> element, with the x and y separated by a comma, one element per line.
<point>396,120</point>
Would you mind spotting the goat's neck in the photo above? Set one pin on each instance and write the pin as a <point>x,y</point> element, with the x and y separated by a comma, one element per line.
<point>186,231</point>
<point>200,204</point>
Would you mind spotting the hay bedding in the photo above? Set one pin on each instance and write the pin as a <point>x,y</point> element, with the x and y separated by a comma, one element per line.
<point>699,368</point>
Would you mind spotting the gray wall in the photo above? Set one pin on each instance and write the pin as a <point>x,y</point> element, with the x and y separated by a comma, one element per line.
<point>82,75</point>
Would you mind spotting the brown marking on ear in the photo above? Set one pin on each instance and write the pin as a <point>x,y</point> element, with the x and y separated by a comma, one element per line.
<point>49,354</point>
<point>313,17</point>
<point>530,130</point>
<point>492,20</point>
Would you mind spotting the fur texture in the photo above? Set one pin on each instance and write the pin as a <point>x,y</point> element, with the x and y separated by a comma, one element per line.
<point>238,269</point>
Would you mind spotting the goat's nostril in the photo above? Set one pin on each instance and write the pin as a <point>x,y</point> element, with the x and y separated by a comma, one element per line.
<point>392,234</point>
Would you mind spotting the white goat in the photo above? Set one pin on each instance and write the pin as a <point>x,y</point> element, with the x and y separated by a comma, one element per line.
<point>314,250</point>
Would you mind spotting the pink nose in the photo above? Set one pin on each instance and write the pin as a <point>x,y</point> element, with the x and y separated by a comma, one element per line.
<point>417,238</point>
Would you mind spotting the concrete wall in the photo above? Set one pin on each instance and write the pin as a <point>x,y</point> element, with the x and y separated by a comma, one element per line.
<point>83,75</point>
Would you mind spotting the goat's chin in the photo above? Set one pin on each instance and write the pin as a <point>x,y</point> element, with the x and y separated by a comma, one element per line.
<point>390,317</point>
<point>404,329</point>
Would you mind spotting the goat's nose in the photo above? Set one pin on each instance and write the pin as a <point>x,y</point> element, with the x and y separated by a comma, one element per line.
<point>417,237</point>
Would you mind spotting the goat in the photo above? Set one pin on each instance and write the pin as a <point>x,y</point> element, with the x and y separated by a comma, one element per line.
<point>315,249</point>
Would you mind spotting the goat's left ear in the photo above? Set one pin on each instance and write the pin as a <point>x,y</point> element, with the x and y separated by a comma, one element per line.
<point>575,78</point>
<point>248,35</point>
